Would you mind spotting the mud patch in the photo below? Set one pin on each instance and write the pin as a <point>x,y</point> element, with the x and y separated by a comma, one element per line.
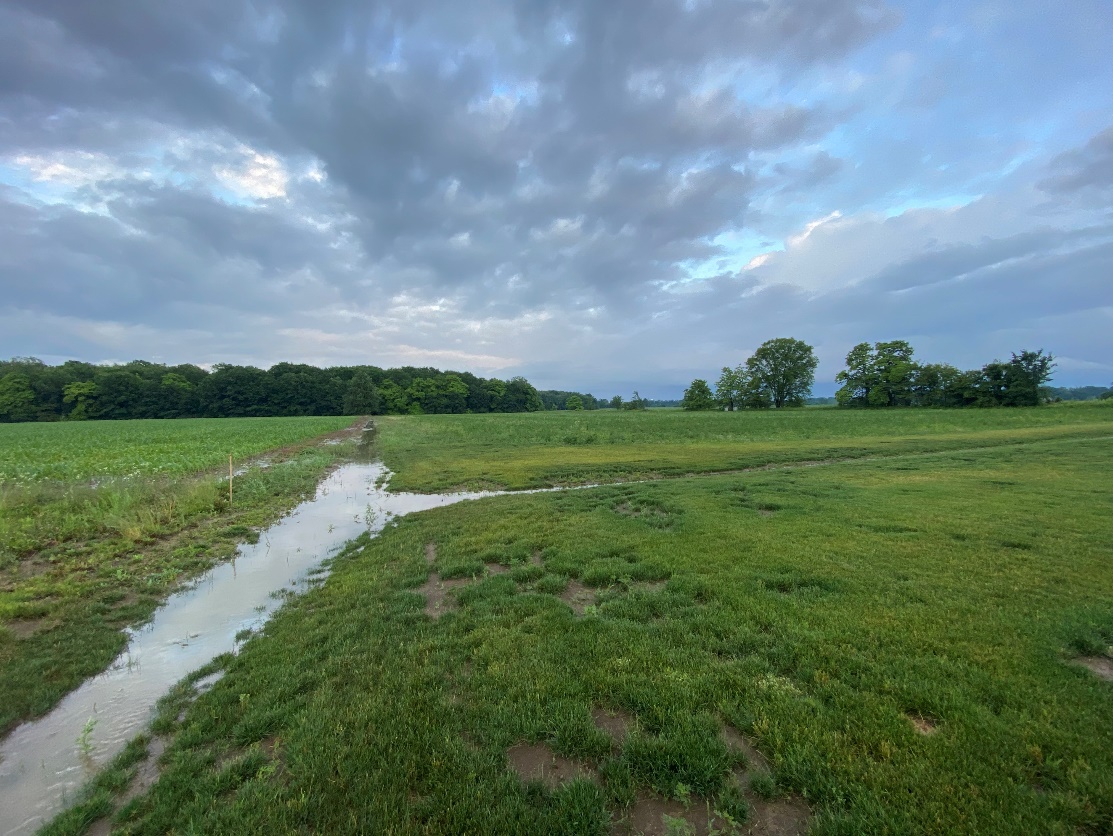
<point>1100,666</point>
<point>616,724</point>
<point>779,817</point>
<point>578,597</point>
<point>436,592</point>
<point>650,815</point>
<point>537,762</point>
<point>737,741</point>
<point>926,726</point>
<point>24,628</point>
<point>146,774</point>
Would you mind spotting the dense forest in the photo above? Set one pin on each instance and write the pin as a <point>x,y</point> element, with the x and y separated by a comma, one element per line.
<point>31,390</point>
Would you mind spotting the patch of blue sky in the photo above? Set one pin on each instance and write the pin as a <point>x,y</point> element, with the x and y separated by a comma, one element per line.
<point>941,202</point>
<point>737,248</point>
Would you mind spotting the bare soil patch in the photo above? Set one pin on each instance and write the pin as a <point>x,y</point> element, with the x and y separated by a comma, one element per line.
<point>617,724</point>
<point>24,628</point>
<point>537,762</point>
<point>1102,666</point>
<point>649,815</point>
<point>924,725</point>
<point>737,741</point>
<point>578,597</point>
<point>535,558</point>
<point>780,817</point>
<point>430,553</point>
<point>496,569</point>
<point>436,592</point>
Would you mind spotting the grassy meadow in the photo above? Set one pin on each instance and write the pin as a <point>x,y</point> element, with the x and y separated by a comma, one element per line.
<point>100,520</point>
<point>439,452</point>
<point>889,643</point>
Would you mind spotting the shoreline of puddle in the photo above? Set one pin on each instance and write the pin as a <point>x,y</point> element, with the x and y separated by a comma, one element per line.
<point>45,762</point>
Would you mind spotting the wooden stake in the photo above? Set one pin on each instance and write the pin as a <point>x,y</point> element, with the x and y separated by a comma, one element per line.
<point>229,478</point>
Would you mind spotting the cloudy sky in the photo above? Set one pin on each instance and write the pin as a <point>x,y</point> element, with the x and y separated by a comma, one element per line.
<point>598,195</point>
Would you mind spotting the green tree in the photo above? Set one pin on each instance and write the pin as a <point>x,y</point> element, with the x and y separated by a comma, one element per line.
<point>616,402</point>
<point>521,396</point>
<point>394,398</point>
<point>361,397</point>
<point>729,387</point>
<point>17,398</point>
<point>698,396</point>
<point>453,394</point>
<point>1028,372</point>
<point>782,371</point>
<point>80,394</point>
<point>884,375</point>
<point>574,402</point>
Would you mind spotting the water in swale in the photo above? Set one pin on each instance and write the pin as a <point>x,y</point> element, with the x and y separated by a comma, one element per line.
<point>44,762</point>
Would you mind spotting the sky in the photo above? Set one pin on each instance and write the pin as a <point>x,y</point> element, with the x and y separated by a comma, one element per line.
<point>601,196</point>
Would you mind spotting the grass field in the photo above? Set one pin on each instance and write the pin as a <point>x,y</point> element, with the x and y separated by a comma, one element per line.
<point>84,450</point>
<point>890,643</point>
<point>439,452</point>
<point>100,520</point>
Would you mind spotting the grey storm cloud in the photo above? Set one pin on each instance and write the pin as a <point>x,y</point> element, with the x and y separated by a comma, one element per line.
<point>542,186</point>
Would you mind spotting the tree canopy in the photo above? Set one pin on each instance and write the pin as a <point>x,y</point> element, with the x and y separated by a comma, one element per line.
<point>698,396</point>
<point>30,390</point>
<point>887,375</point>
<point>782,372</point>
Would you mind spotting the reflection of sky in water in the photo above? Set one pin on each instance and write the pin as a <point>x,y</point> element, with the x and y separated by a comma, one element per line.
<point>41,764</point>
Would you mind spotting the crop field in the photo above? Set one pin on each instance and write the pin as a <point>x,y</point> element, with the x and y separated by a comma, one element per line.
<point>914,640</point>
<point>100,520</point>
<point>82,450</point>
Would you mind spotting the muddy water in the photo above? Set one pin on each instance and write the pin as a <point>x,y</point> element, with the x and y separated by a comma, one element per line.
<point>44,762</point>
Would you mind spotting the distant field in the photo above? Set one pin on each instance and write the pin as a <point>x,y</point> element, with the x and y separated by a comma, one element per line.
<point>438,452</point>
<point>95,449</point>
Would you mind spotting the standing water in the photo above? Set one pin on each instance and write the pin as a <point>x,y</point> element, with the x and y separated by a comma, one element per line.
<point>43,762</point>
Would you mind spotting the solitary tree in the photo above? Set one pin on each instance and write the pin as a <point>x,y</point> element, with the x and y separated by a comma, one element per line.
<point>782,371</point>
<point>574,402</point>
<point>616,402</point>
<point>698,396</point>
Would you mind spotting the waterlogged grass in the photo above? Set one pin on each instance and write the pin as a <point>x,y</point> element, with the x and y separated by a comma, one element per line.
<point>896,636</point>
<point>84,450</point>
<point>439,452</point>
<point>80,561</point>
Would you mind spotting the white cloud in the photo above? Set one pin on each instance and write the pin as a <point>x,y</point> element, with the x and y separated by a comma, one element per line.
<point>255,175</point>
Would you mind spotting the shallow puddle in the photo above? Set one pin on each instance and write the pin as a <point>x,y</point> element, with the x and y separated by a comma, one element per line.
<point>43,763</point>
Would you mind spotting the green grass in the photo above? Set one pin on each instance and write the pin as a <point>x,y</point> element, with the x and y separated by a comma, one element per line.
<point>79,561</point>
<point>818,610</point>
<point>83,450</point>
<point>439,452</point>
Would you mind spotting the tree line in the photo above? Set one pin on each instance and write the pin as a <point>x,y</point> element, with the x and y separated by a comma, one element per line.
<point>782,371</point>
<point>31,390</point>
